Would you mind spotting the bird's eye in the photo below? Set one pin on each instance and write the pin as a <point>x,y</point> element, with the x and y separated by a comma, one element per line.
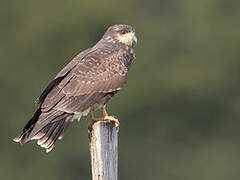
<point>123,32</point>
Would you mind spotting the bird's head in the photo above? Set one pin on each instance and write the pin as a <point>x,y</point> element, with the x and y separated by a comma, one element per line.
<point>124,34</point>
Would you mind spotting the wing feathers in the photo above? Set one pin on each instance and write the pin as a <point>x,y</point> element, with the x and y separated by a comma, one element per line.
<point>95,73</point>
<point>77,104</point>
<point>92,77</point>
<point>49,103</point>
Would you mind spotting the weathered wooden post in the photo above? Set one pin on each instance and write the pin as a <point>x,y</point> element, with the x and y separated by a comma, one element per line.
<point>103,137</point>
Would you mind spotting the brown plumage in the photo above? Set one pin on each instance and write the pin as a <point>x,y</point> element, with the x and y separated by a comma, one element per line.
<point>85,84</point>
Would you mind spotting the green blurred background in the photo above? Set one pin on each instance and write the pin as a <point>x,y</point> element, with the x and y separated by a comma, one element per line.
<point>179,110</point>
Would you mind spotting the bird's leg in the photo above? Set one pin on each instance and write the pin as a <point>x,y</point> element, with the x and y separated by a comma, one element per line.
<point>109,118</point>
<point>104,111</point>
<point>105,117</point>
<point>91,119</point>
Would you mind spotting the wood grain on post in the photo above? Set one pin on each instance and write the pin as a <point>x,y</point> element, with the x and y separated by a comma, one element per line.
<point>103,138</point>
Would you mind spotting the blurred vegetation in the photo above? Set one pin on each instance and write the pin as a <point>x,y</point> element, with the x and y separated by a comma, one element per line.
<point>179,111</point>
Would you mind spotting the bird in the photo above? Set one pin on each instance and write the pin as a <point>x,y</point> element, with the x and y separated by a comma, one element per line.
<point>83,86</point>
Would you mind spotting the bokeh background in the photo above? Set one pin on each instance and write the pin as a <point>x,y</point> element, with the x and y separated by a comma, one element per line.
<point>179,111</point>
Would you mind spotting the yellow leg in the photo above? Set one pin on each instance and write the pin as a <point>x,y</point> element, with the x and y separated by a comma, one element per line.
<point>91,119</point>
<point>109,118</point>
<point>104,111</point>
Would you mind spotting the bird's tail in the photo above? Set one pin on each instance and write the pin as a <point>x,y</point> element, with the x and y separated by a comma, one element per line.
<point>46,128</point>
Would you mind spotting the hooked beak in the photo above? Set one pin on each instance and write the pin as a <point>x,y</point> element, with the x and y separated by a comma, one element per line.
<point>135,39</point>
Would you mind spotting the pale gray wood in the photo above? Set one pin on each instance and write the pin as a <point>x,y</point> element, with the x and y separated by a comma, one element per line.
<point>104,150</point>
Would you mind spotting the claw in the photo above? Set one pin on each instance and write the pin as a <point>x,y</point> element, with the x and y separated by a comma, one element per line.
<point>105,117</point>
<point>112,119</point>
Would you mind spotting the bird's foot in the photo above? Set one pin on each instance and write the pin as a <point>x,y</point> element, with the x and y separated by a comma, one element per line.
<point>111,119</point>
<point>105,118</point>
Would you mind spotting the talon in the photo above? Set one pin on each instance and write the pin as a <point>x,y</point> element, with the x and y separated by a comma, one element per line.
<point>112,119</point>
<point>106,117</point>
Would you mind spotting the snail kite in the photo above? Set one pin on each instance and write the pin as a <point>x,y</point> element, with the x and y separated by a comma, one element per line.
<point>87,83</point>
